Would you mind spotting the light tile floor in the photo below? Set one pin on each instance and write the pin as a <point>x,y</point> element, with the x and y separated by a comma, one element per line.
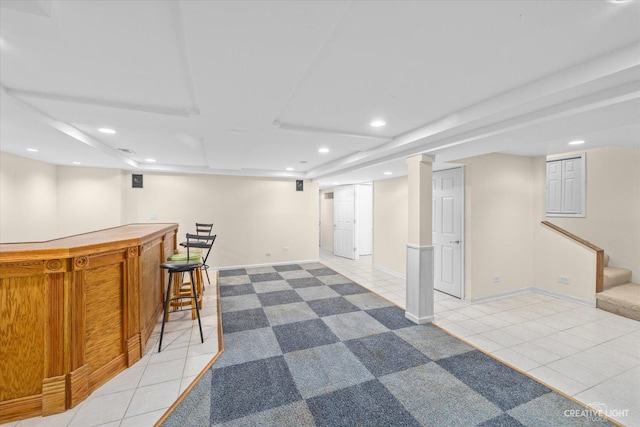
<point>586,353</point>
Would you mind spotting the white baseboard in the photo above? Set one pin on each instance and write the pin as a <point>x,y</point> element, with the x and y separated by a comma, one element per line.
<point>234,267</point>
<point>389,272</point>
<point>532,289</point>
<point>498,296</point>
<point>565,297</point>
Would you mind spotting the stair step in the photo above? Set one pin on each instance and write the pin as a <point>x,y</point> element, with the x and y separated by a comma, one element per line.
<point>623,300</point>
<point>616,276</point>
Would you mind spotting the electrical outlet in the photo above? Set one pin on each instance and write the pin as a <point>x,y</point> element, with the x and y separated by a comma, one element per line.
<point>153,217</point>
<point>497,278</point>
<point>563,279</point>
<point>286,248</point>
<point>267,254</point>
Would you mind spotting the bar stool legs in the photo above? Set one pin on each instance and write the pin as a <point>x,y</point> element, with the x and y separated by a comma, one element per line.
<point>168,298</point>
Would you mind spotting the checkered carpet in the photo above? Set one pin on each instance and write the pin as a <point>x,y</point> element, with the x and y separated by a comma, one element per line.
<point>306,346</point>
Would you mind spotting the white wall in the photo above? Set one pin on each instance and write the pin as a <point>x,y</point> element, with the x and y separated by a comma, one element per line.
<point>498,224</point>
<point>612,207</point>
<point>390,224</point>
<point>28,200</point>
<point>326,220</point>
<point>89,199</point>
<point>252,216</point>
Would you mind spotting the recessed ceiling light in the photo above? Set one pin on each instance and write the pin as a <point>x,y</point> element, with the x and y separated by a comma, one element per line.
<point>76,163</point>
<point>377,123</point>
<point>576,142</point>
<point>107,130</point>
<point>335,183</point>
<point>33,150</point>
<point>150,160</point>
<point>289,168</point>
<point>618,1</point>
<point>323,150</point>
<point>388,173</point>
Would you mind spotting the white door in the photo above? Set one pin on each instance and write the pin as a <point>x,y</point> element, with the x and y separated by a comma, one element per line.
<point>344,231</point>
<point>447,230</point>
<point>364,220</point>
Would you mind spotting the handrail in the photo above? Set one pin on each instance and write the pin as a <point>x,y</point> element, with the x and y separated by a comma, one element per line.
<point>599,252</point>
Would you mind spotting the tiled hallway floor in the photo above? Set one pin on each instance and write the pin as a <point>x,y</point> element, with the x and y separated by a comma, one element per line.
<point>586,353</point>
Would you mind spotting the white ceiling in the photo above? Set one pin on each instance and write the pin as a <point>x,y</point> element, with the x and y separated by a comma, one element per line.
<point>254,87</point>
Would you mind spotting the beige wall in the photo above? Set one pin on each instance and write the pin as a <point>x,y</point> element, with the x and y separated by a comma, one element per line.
<point>252,216</point>
<point>326,220</point>
<point>612,207</point>
<point>390,224</point>
<point>28,200</point>
<point>88,199</point>
<point>498,218</point>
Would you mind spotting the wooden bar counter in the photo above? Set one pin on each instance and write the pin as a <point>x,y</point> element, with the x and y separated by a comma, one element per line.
<point>76,311</point>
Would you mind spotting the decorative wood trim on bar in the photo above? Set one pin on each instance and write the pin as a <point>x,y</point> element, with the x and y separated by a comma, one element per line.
<point>54,393</point>
<point>81,309</point>
<point>54,326</point>
<point>134,350</point>
<point>20,408</point>
<point>77,386</point>
<point>599,252</point>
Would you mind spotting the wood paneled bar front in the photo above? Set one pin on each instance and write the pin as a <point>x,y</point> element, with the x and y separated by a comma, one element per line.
<point>76,311</point>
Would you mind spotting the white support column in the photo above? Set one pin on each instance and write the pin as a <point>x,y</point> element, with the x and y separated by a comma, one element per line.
<point>419,243</point>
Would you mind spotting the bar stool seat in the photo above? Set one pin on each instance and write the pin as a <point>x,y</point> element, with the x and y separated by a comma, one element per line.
<point>176,269</point>
<point>181,291</point>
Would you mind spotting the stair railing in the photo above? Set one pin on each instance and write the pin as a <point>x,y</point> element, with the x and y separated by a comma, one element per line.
<point>599,253</point>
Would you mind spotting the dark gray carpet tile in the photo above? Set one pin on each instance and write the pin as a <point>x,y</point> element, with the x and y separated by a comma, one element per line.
<point>271,286</point>
<point>239,302</point>
<point>289,313</point>
<point>316,292</point>
<point>246,346</point>
<point>322,272</point>
<point>348,289</point>
<point>500,384</point>
<point>302,335</point>
<point>331,306</point>
<point>313,266</point>
<point>385,353</point>
<point>247,388</point>
<point>368,301</point>
<point>433,342</point>
<point>552,409</point>
<point>324,369</point>
<point>234,272</point>
<point>391,317</point>
<point>367,404</point>
<point>295,414</point>
<point>437,398</point>
<point>194,410</point>
<point>353,325</point>
<point>288,267</point>
<point>233,290</point>
<point>279,297</point>
<point>334,279</point>
<point>235,280</point>
<point>304,282</point>
<point>264,277</point>
<point>260,270</point>
<point>244,320</point>
<point>503,420</point>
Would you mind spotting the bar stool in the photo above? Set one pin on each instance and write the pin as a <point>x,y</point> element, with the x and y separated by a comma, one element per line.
<point>179,268</point>
<point>180,290</point>
<point>203,243</point>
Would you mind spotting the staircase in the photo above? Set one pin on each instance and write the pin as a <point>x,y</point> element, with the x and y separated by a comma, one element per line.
<point>619,296</point>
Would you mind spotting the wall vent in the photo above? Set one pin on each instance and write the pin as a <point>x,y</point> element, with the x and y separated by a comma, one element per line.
<point>127,150</point>
<point>328,195</point>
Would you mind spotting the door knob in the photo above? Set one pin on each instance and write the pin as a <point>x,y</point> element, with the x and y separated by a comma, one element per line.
<point>457,242</point>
